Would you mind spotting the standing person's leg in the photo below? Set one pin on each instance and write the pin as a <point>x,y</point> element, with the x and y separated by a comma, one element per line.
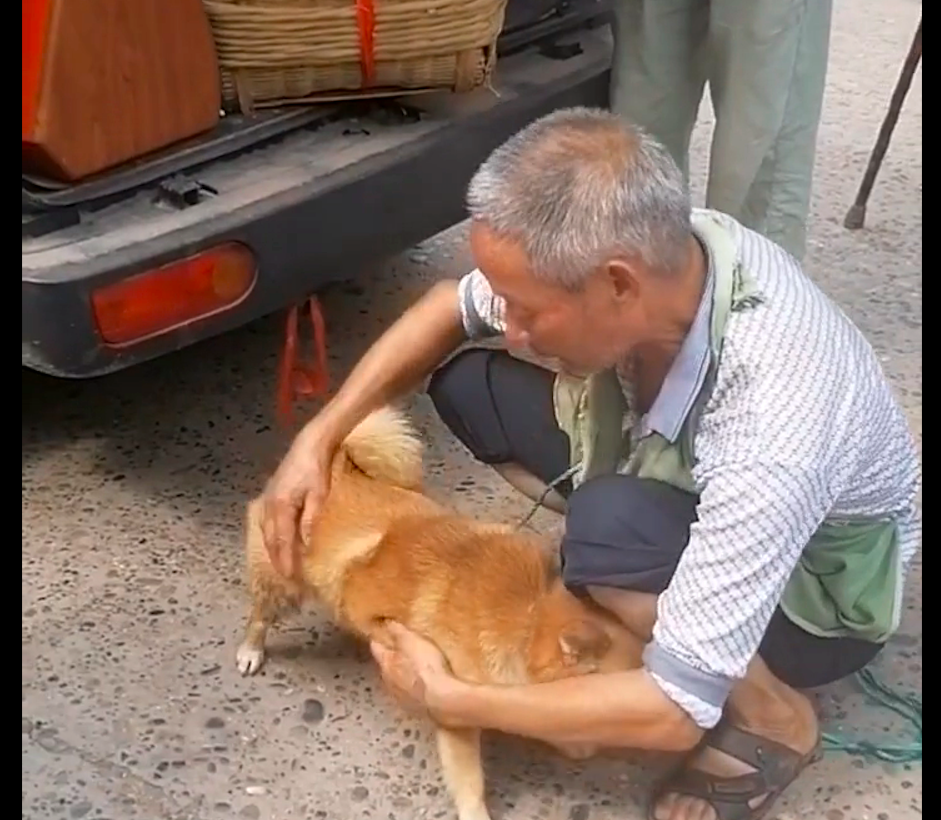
<point>623,539</point>
<point>657,76</point>
<point>502,410</point>
<point>767,72</point>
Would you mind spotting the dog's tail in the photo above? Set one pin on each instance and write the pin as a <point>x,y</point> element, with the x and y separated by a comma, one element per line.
<point>387,448</point>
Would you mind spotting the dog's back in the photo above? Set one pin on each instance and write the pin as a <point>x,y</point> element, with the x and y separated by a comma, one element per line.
<point>470,591</point>
<point>488,595</point>
<point>381,549</point>
<point>376,480</point>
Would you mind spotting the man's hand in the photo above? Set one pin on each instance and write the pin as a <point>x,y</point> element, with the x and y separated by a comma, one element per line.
<point>293,498</point>
<point>425,335</point>
<point>416,673</point>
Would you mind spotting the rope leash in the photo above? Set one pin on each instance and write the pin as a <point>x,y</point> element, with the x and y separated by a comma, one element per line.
<point>545,494</point>
<point>908,706</point>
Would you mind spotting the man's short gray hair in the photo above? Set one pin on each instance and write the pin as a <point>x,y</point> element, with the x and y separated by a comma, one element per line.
<point>579,186</point>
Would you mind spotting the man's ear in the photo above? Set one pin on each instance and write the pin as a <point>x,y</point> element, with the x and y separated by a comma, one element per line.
<point>622,279</point>
<point>583,640</point>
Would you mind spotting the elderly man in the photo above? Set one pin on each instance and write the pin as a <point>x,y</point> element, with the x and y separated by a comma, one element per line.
<point>738,481</point>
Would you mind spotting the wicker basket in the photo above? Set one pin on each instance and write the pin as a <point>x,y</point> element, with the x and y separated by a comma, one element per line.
<point>273,52</point>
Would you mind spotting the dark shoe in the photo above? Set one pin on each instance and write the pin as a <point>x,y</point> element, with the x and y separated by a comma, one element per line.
<point>775,766</point>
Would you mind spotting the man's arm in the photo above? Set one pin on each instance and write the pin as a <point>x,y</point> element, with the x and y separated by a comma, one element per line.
<point>427,333</point>
<point>618,710</point>
<point>406,353</point>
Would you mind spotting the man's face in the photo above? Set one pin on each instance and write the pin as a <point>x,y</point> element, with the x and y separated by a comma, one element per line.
<point>586,331</point>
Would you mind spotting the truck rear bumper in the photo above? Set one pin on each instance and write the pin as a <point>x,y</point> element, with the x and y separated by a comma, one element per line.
<point>312,208</point>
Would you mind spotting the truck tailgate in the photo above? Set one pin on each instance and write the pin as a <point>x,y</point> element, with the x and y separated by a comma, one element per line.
<point>312,206</point>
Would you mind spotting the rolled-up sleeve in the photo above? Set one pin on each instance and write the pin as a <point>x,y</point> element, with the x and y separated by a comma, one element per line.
<point>482,311</point>
<point>754,519</point>
<point>771,450</point>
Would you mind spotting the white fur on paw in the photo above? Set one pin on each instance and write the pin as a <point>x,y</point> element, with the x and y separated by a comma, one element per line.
<point>476,812</point>
<point>249,659</point>
<point>578,751</point>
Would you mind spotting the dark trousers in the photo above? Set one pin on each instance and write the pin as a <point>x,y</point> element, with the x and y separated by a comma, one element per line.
<point>620,531</point>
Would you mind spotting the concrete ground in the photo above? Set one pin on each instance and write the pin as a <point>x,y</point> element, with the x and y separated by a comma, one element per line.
<point>132,600</point>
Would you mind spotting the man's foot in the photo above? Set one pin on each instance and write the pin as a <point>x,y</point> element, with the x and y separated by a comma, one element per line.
<point>736,775</point>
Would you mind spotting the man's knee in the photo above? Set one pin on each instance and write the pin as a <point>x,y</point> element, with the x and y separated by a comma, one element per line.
<point>461,395</point>
<point>625,532</point>
<point>459,377</point>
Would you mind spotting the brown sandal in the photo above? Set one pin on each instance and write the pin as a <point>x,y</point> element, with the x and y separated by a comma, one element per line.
<point>775,766</point>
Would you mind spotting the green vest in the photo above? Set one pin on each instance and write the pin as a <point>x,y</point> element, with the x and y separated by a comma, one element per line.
<point>848,579</point>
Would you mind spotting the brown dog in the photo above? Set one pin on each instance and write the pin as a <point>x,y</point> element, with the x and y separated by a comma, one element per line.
<point>489,597</point>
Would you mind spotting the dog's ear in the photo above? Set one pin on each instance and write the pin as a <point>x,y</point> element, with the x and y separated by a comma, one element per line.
<point>583,640</point>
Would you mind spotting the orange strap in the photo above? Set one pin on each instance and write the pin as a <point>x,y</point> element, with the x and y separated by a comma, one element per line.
<point>299,379</point>
<point>366,25</point>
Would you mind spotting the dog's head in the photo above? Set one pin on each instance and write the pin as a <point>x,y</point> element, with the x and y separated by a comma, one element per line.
<point>577,637</point>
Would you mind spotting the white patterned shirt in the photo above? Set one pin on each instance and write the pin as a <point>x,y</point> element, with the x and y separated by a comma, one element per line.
<point>801,425</point>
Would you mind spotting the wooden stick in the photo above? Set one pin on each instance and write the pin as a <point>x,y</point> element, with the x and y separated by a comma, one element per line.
<point>856,215</point>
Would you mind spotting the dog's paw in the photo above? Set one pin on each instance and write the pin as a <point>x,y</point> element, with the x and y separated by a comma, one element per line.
<point>473,812</point>
<point>578,751</point>
<point>249,659</point>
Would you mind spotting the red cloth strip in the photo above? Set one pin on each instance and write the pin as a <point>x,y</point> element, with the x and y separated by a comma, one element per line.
<point>366,24</point>
<point>297,378</point>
